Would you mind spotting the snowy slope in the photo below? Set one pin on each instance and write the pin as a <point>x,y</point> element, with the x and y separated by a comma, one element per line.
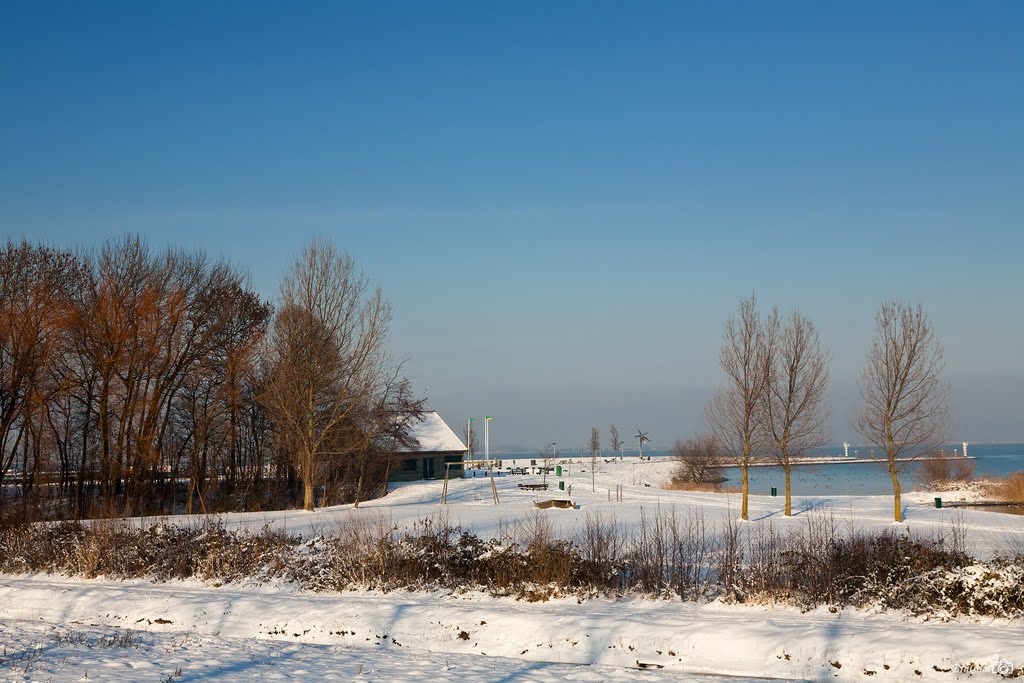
<point>684,638</point>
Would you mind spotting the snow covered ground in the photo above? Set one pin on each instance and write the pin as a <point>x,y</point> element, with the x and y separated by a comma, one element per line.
<point>138,631</point>
<point>471,506</point>
<point>46,652</point>
<point>55,628</point>
<point>65,627</point>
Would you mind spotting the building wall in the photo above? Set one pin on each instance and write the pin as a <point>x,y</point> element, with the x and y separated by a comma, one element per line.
<point>420,471</point>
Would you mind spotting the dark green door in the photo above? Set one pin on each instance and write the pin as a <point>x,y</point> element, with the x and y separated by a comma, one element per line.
<point>428,468</point>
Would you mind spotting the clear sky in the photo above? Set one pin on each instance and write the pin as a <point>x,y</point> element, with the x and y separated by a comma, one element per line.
<point>564,201</point>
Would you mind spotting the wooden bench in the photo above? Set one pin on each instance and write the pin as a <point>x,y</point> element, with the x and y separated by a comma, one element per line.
<point>534,487</point>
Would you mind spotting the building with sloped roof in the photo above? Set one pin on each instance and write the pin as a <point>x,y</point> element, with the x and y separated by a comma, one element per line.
<point>436,446</point>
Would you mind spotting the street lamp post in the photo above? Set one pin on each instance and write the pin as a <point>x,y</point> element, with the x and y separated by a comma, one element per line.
<point>487,456</point>
<point>487,437</point>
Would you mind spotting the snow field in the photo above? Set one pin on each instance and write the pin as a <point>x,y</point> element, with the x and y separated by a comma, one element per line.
<point>53,628</point>
<point>192,626</point>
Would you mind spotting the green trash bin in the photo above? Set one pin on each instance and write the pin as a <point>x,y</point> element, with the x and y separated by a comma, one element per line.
<point>561,485</point>
<point>558,470</point>
<point>775,491</point>
<point>938,502</point>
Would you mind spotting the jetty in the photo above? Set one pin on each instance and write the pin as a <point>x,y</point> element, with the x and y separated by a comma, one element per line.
<point>835,460</point>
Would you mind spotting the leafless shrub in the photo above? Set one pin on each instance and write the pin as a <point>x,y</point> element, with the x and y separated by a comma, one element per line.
<point>730,557</point>
<point>761,574</point>
<point>942,473</point>
<point>510,528</point>
<point>601,540</point>
<point>668,553</point>
<point>694,549</point>
<point>697,458</point>
<point>537,530</point>
<point>648,552</point>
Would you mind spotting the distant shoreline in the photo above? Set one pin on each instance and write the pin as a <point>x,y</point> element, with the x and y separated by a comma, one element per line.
<point>798,462</point>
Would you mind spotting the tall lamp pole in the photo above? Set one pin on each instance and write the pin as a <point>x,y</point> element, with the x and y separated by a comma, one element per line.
<point>487,456</point>
<point>487,437</point>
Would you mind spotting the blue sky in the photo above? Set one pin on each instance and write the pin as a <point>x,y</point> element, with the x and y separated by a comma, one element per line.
<point>564,201</point>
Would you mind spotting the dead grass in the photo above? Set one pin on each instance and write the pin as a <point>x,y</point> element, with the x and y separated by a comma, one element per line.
<point>1009,488</point>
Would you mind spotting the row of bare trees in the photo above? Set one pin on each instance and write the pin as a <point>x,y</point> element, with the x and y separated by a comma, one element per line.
<point>774,401</point>
<point>135,380</point>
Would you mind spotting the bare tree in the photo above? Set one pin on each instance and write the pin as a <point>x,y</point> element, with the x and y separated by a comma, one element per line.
<point>243,326</point>
<point>472,441</point>
<point>794,406</point>
<point>734,414</point>
<point>905,405</point>
<point>615,441</point>
<point>697,458</point>
<point>326,352</point>
<point>594,445</point>
<point>545,455</point>
<point>35,294</point>
<point>388,432</point>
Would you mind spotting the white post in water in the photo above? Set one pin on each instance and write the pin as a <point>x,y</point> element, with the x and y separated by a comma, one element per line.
<point>846,449</point>
<point>965,449</point>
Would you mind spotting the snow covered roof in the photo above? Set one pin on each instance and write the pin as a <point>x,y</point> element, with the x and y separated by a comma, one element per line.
<point>434,435</point>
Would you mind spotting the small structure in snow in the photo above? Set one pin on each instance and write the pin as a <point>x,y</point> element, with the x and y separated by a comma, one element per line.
<point>436,446</point>
<point>554,503</point>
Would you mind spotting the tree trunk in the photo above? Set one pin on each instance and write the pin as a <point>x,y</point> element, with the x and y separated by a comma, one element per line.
<point>789,500</point>
<point>745,468</point>
<point>307,491</point>
<point>897,507</point>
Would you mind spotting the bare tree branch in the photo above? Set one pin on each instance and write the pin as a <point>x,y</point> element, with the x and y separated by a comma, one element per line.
<point>734,414</point>
<point>905,404</point>
<point>794,408</point>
